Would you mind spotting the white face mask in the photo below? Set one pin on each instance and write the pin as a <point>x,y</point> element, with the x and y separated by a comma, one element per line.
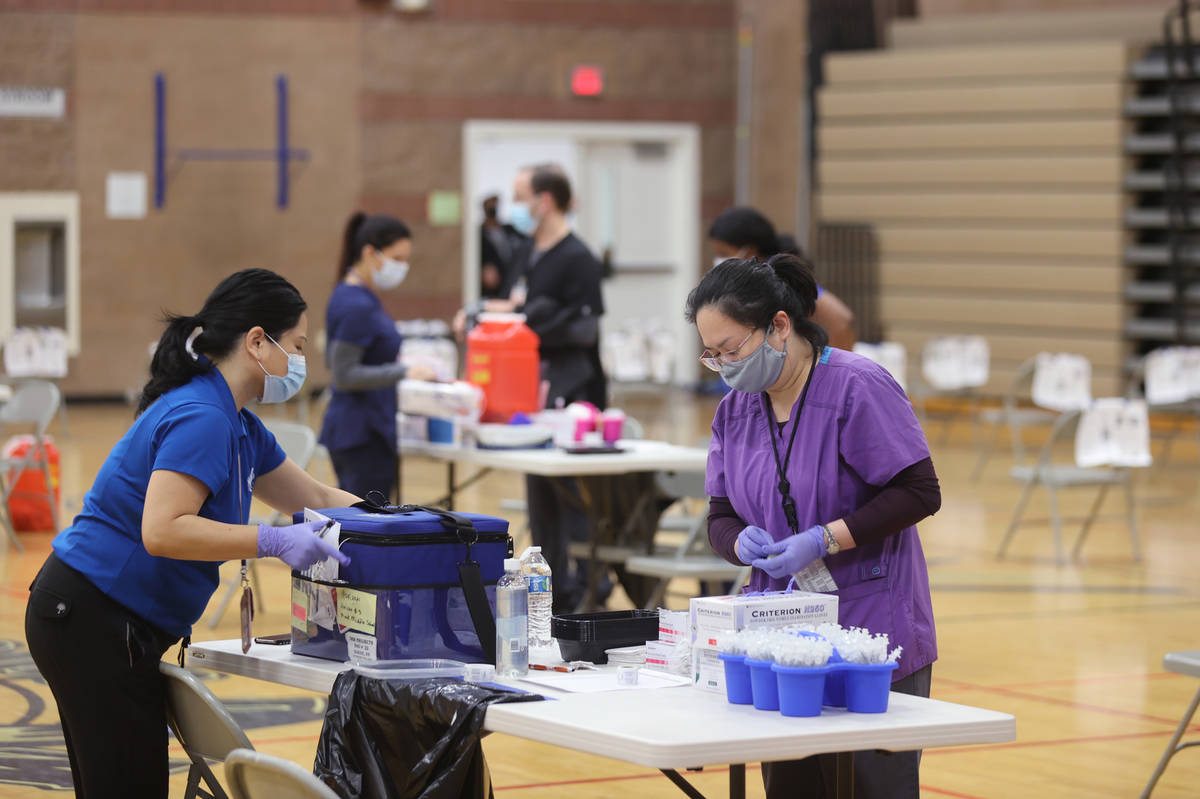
<point>391,274</point>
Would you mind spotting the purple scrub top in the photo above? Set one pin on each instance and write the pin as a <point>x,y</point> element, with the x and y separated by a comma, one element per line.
<point>857,431</point>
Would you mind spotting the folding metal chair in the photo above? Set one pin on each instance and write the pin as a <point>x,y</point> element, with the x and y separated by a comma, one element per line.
<point>254,775</point>
<point>1054,476</point>
<point>33,403</point>
<point>1012,416</point>
<point>298,442</point>
<point>1181,663</point>
<point>204,727</point>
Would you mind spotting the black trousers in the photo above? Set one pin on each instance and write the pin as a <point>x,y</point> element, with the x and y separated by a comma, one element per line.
<point>101,663</point>
<point>877,774</point>
<point>554,522</point>
<point>370,467</point>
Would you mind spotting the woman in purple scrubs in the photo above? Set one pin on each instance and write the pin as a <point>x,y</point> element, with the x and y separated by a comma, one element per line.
<point>817,455</point>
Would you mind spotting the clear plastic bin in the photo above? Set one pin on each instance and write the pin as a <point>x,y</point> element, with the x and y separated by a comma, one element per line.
<point>418,669</point>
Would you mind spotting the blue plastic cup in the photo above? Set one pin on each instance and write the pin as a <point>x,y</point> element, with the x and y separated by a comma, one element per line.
<point>800,689</point>
<point>835,682</point>
<point>737,679</point>
<point>763,684</point>
<point>868,686</point>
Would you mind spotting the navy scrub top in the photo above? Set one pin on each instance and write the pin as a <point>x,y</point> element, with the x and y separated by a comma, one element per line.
<point>356,418</point>
<point>194,429</point>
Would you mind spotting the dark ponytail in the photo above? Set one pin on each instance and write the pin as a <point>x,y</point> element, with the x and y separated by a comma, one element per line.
<point>246,299</point>
<point>379,231</point>
<point>751,292</point>
<point>742,226</point>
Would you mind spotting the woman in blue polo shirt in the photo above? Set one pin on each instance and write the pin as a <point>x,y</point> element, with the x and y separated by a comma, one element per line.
<point>138,565</point>
<point>361,350</point>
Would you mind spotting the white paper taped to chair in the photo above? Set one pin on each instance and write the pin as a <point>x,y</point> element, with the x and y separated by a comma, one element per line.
<point>951,363</point>
<point>1172,375</point>
<point>1114,432</point>
<point>1062,381</point>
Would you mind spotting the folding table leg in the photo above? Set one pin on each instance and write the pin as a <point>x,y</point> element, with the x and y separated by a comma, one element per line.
<point>682,784</point>
<point>737,781</point>
<point>845,775</point>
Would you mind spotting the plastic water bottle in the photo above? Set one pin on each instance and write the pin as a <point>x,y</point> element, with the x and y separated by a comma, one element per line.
<point>512,622</point>
<point>541,595</point>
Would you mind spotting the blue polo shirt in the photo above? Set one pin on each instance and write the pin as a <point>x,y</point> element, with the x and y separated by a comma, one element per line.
<point>197,430</point>
<point>356,418</point>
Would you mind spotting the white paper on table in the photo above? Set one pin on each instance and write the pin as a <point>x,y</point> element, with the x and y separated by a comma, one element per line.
<point>1062,381</point>
<point>1172,375</point>
<point>593,682</point>
<point>326,570</point>
<point>950,363</point>
<point>1114,432</point>
<point>890,355</point>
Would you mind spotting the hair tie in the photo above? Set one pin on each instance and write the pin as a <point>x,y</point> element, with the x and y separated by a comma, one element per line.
<point>190,339</point>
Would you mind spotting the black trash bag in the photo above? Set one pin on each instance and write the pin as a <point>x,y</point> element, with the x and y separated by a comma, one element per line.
<point>387,739</point>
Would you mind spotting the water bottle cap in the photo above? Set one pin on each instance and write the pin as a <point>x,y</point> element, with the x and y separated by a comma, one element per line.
<point>512,565</point>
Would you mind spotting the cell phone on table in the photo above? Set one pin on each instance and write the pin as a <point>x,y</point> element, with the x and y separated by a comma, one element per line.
<point>274,640</point>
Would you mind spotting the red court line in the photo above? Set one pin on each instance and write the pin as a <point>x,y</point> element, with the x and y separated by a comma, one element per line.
<point>19,593</point>
<point>1155,675</point>
<point>1061,702</point>
<point>944,792</point>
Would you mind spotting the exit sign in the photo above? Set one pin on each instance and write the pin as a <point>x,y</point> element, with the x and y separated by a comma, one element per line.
<point>587,81</point>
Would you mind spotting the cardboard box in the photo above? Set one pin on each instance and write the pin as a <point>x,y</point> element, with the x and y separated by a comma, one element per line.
<point>765,611</point>
<point>715,616</point>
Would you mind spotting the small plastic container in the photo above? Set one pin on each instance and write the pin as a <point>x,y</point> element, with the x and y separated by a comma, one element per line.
<point>586,636</point>
<point>764,684</point>
<point>835,682</point>
<point>737,679</point>
<point>800,689</point>
<point>411,670</point>
<point>868,686</point>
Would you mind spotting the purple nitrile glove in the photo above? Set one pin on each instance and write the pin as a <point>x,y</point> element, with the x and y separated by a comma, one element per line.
<point>297,545</point>
<point>793,553</point>
<point>752,544</point>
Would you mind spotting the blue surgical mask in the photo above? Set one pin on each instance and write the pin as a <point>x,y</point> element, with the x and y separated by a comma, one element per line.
<point>757,372</point>
<point>282,389</point>
<point>520,217</point>
<point>391,274</point>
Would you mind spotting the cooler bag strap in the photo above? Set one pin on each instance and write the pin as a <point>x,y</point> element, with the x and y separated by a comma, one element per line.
<point>469,576</point>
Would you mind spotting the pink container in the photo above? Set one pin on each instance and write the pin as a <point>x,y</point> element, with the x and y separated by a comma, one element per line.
<point>614,424</point>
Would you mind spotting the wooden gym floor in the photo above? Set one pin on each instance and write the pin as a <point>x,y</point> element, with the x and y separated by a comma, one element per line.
<point>1074,652</point>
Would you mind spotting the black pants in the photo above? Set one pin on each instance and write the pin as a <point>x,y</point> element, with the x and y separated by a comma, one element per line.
<point>877,774</point>
<point>369,467</point>
<point>101,663</point>
<point>554,522</point>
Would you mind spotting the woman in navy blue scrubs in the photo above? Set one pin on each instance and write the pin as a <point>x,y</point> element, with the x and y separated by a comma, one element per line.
<point>361,350</point>
<point>139,563</point>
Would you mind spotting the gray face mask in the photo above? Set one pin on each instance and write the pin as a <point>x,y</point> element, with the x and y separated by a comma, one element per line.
<point>757,372</point>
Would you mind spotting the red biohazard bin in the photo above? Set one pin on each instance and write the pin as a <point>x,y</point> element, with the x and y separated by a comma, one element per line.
<point>29,503</point>
<point>502,359</point>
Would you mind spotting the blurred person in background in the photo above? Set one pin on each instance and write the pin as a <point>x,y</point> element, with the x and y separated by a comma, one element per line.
<point>500,247</point>
<point>362,350</point>
<point>743,232</point>
<point>557,288</point>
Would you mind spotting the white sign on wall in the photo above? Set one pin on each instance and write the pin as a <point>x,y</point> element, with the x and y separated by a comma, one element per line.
<point>33,102</point>
<point>125,195</point>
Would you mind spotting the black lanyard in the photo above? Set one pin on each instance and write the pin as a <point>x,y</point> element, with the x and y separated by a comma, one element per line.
<point>785,488</point>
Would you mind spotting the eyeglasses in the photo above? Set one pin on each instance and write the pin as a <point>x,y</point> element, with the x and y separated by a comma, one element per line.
<point>714,360</point>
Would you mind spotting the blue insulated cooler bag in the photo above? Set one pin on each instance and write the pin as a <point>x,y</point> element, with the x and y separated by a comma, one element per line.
<point>421,584</point>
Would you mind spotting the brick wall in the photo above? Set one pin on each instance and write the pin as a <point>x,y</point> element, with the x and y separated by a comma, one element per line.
<point>377,97</point>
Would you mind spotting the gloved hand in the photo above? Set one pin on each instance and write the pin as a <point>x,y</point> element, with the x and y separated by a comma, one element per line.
<point>792,553</point>
<point>752,542</point>
<point>297,545</point>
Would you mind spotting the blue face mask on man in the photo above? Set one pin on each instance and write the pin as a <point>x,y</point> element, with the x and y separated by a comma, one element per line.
<point>282,389</point>
<point>521,218</point>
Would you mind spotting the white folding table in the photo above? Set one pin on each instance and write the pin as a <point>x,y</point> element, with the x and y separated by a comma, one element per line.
<point>670,728</point>
<point>635,455</point>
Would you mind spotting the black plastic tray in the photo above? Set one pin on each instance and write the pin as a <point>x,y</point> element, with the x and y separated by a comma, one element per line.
<point>585,636</point>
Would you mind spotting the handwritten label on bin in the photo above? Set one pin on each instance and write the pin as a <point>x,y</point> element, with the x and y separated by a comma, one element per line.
<point>356,610</point>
